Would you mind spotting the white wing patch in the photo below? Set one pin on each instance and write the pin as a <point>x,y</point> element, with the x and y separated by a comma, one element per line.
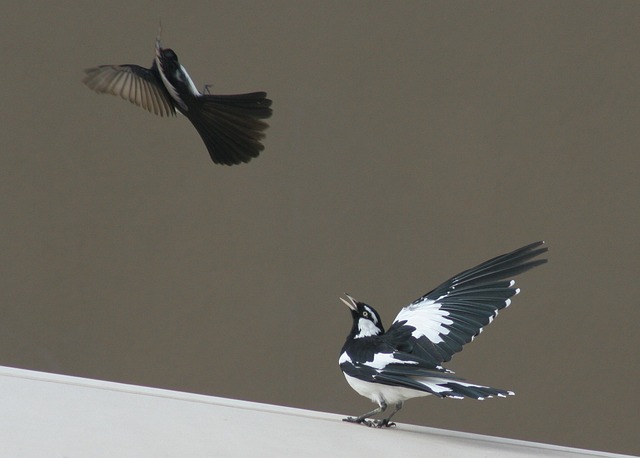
<point>428,318</point>
<point>382,360</point>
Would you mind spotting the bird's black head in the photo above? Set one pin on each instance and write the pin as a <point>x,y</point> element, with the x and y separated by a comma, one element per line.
<point>166,58</point>
<point>366,321</point>
<point>168,55</point>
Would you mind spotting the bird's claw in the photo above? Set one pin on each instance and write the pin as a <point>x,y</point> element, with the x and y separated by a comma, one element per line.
<point>370,423</point>
<point>353,420</point>
<point>382,423</point>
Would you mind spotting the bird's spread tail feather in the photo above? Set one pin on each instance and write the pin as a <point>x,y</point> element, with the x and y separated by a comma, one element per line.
<point>232,126</point>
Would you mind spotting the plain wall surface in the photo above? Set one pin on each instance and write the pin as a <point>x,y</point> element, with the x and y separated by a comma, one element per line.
<point>409,141</point>
<point>53,415</point>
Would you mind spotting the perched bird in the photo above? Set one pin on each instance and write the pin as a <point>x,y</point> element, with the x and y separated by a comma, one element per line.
<point>404,362</point>
<point>231,126</point>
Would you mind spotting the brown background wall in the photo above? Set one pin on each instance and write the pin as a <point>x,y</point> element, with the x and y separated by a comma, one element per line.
<point>409,141</point>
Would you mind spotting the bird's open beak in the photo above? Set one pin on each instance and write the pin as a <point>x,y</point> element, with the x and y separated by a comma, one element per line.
<point>351,302</point>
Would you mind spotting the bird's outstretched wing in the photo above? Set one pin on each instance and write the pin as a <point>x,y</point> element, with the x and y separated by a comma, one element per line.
<point>136,84</point>
<point>451,315</point>
<point>231,126</point>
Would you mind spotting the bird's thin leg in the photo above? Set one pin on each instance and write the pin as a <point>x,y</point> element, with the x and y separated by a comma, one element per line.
<point>386,422</point>
<point>206,89</point>
<point>363,418</point>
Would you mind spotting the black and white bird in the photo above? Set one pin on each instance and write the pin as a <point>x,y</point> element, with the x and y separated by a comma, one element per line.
<point>231,126</point>
<point>405,361</point>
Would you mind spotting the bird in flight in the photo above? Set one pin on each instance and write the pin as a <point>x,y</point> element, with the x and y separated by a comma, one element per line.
<point>405,361</point>
<point>231,126</point>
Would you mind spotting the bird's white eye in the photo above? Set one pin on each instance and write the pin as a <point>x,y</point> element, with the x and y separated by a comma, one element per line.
<point>365,314</point>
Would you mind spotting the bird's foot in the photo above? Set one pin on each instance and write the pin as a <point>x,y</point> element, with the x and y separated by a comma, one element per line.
<point>382,423</point>
<point>370,423</point>
<point>354,420</point>
<point>359,420</point>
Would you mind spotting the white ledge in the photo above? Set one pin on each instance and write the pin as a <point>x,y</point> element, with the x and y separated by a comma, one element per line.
<point>49,415</point>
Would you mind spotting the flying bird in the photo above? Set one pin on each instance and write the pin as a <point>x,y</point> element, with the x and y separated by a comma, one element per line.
<point>405,361</point>
<point>231,126</point>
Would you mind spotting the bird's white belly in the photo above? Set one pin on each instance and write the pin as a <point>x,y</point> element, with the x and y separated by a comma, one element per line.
<point>379,393</point>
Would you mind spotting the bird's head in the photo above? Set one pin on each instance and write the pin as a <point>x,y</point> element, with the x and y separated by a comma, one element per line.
<point>173,75</point>
<point>168,55</point>
<point>166,58</point>
<point>366,321</point>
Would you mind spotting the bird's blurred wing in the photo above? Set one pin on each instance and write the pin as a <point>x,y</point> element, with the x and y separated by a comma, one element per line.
<point>136,84</point>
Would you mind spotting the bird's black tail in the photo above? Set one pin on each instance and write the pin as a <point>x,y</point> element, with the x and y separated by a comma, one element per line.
<point>444,385</point>
<point>231,126</point>
<point>468,390</point>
